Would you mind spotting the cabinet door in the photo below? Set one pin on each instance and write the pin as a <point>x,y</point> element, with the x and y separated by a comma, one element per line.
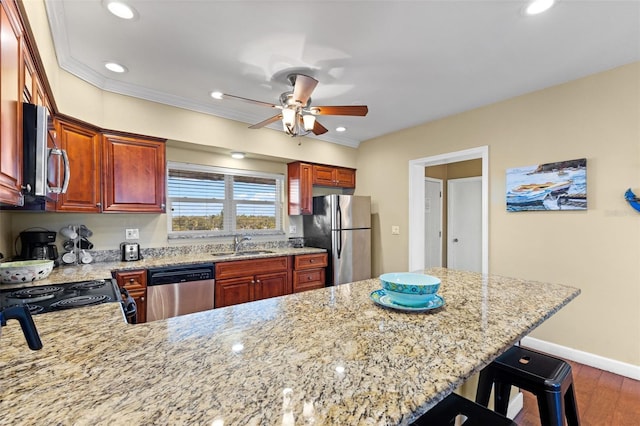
<point>324,175</point>
<point>233,291</point>
<point>345,178</point>
<point>135,282</point>
<point>300,188</point>
<point>83,148</point>
<point>10,107</point>
<point>134,174</point>
<point>140,297</point>
<point>271,285</point>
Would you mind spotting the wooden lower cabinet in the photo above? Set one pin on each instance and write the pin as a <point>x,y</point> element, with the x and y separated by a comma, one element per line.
<point>135,281</point>
<point>243,281</point>
<point>309,271</point>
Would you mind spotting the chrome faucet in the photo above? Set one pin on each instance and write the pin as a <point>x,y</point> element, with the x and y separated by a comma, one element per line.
<point>238,240</point>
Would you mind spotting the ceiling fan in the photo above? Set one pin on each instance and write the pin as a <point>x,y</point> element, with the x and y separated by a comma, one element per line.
<point>297,115</point>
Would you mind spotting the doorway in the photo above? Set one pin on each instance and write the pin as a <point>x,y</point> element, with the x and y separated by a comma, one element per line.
<point>417,225</point>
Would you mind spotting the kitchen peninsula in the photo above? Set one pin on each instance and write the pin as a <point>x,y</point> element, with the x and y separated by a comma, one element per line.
<point>330,356</point>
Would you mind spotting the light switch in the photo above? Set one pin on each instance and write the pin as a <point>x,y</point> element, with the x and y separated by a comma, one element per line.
<point>395,230</point>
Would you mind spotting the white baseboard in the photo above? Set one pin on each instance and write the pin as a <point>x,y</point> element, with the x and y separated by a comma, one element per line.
<point>515,406</point>
<point>586,358</point>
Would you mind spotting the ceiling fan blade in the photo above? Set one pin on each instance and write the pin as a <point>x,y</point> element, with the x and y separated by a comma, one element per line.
<point>303,87</point>
<point>267,122</point>
<point>359,110</point>
<point>319,129</point>
<point>251,101</point>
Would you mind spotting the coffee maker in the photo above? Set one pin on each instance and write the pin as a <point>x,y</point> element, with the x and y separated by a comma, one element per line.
<point>38,245</point>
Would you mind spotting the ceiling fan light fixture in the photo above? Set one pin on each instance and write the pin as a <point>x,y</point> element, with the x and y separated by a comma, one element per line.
<point>121,10</point>
<point>309,121</point>
<point>288,117</point>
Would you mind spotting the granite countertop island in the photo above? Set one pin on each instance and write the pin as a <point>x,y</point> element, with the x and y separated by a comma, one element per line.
<point>326,357</point>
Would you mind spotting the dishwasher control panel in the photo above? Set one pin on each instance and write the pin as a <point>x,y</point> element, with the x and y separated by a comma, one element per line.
<point>180,274</point>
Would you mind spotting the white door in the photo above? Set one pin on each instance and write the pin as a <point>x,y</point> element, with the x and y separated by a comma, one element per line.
<point>433,222</point>
<point>464,224</point>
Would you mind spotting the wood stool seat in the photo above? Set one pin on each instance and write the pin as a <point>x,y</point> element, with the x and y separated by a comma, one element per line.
<point>445,413</point>
<point>548,378</point>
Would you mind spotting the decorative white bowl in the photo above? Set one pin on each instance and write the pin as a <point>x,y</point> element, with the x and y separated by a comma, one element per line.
<point>408,288</point>
<point>25,271</point>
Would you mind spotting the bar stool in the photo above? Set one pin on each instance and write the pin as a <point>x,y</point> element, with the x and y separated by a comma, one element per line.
<point>446,411</point>
<point>548,378</point>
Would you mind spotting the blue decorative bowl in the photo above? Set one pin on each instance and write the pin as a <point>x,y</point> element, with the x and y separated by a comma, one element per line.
<point>408,288</point>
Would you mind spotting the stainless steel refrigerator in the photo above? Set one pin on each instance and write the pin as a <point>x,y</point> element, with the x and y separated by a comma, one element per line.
<point>342,225</point>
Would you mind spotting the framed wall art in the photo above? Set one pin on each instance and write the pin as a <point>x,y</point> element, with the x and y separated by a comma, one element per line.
<point>552,186</point>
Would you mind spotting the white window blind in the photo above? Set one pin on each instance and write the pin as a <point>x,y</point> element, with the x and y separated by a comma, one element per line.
<point>207,200</point>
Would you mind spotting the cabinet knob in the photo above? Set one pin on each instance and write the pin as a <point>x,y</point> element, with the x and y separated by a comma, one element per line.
<point>162,206</point>
<point>258,281</point>
<point>142,299</point>
<point>131,280</point>
<point>312,260</point>
<point>98,204</point>
<point>309,278</point>
<point>253,282</point>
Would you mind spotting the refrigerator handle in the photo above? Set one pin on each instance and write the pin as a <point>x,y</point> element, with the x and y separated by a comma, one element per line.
<point>339,217</point>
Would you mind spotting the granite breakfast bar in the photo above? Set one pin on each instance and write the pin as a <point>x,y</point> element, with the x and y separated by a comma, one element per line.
<point>328,356</point>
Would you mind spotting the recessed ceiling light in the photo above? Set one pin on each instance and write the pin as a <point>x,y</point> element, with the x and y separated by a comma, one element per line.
<point>216,95</point>
<point>341,129</point>
<point>538,6</point>
<point>121,10</point>
<point>238,155</point>
<point>114,67</point>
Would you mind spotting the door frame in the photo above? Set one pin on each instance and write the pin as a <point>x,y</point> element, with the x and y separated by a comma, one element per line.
<point>440,182</point>
<point>416,202</point>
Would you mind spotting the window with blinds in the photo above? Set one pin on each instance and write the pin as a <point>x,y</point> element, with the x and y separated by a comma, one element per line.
<point>206,200</point>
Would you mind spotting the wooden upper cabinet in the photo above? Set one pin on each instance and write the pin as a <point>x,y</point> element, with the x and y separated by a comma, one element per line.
<point>10,106</point>
<point>299,188</point>
<point>301,177</point>
<point>82,144</point>
<point>334,176</point>
<point>134,174</point>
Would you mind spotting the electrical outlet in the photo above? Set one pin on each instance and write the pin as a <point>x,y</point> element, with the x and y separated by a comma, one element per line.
<point>395,230</point>
<point>293,229</point>
<point>132,234</point>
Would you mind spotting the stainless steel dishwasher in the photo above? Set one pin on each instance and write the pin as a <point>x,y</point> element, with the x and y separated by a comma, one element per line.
<point>179,290</point>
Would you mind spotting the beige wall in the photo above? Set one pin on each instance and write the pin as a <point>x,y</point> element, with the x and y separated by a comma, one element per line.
<point>597,250</point>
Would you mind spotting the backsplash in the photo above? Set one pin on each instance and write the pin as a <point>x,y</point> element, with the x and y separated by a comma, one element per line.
<point>185,250</point>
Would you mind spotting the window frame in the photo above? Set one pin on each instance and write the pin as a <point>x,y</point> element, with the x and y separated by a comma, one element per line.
<point>229,203</point>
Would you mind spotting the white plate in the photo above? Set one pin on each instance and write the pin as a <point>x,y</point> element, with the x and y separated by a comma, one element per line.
<point>382,299</point>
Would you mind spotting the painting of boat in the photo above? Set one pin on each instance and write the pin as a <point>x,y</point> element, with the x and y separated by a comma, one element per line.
<point>551,186</point>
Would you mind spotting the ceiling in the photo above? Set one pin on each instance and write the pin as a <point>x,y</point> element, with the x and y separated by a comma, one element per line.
<point>410,61</point>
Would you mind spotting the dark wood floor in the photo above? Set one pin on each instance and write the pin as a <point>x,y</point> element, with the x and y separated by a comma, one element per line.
<point>604,399</point>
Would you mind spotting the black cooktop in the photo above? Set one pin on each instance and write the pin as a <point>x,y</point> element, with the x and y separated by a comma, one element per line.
<point>57,297</point>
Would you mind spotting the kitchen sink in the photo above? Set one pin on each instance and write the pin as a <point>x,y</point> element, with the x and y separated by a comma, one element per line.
<point>242,253</point>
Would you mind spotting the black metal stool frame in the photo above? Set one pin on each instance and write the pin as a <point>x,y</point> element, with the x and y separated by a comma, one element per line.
<point>547,377</point>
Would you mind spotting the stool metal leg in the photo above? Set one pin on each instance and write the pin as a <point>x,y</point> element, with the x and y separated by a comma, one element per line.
<point>501,397</point>
<point>552,414</point>
<point>485,383</point>
<point>571,407</point>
